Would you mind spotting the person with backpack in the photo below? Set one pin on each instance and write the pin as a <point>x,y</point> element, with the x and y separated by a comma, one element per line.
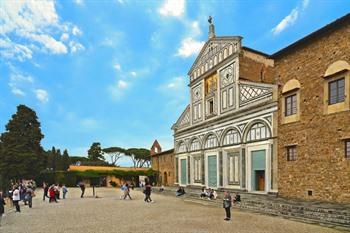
<point>147,191</point>
<point>29,196</point>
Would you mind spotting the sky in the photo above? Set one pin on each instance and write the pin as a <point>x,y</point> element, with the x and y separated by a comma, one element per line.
<point>115,72</point>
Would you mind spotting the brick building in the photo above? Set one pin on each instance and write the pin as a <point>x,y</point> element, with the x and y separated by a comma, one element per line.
<point>163,163</point>
<point>314,119</point>
<point>269,123</point>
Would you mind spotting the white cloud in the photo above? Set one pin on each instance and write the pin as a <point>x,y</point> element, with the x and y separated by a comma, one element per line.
<point>290,19</point>
<point>117,67</point>
<point>51,45</point>
<point>174,8</point>
<point>64,37</point>
<point>42,95</point>
<point>122,84</point>
<point>189,47</point>
<point>79,2</point>
<point>17,77</point>
<point>75,47</point>
<point>133,73</point>
<point>76,31</point>
<point>177,83</point>
<point>15,90</point>
<point>121,1</point>
<point>29,26</point>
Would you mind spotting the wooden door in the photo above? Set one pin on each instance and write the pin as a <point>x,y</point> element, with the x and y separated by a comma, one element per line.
<point>260,180</point>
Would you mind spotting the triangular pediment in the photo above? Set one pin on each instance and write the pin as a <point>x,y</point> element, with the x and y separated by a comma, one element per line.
<point>184,119</point>
<point>214,50</point>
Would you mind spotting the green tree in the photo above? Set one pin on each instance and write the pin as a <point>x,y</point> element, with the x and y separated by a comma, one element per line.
<point>22,155</point>
<point>95,152</point>
<point>114,153</point>
<point>66,160</point>
<point>139,156</point>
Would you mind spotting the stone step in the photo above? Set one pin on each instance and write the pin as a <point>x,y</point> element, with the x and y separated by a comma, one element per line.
<point>304,217</point>
<point>311,215</point>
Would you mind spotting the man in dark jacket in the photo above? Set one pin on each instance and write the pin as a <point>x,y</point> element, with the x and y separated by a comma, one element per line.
<point>147,191</point>
<point>82,187</point>
<point>227,205</point>
<point>2,209</point>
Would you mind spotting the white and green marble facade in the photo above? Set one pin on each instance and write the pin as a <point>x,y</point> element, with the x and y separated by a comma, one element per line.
<point>227,148</point>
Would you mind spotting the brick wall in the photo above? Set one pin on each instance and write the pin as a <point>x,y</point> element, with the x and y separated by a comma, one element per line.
<point>251,66</point>
<point>164,163</point>
<point>321,165</point>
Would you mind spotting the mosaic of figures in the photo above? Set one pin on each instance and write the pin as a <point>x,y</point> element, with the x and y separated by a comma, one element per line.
<point>255,130</point>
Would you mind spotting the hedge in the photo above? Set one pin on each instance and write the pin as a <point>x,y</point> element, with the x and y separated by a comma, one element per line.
<point>71,178</point>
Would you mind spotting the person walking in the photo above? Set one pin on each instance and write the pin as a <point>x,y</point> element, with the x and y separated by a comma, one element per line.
<point>2,208</point>
<point>147,191</point>
<point>52,194</point>
<point>64,191</point>
<point>46,190</point>
<point>127,191</point>
<point>16,197</point>
<point>82,187</point>
<point>29,196</point>
<point>227,200</point>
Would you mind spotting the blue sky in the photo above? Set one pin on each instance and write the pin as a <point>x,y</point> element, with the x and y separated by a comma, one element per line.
<point>115,71</point>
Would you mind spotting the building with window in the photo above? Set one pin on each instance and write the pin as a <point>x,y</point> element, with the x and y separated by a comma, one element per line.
<point>269,123</point>
<point>314,118</point>
<point>163,163</point>
<point>226,136</point>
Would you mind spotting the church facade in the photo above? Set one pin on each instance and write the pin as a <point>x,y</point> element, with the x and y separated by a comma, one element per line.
<point>226,136</point>
<point>275,123</point>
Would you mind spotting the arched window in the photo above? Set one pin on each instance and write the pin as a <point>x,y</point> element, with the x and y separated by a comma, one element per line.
<point>181,148</point>
<point>231,137</point>
<point>211,141</point>
<point>258,131</point>
<point>195,145</point>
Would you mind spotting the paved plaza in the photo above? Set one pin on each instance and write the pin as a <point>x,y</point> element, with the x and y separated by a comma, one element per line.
<point>168,214</point>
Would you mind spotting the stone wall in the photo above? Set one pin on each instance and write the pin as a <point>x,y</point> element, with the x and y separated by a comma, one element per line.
<point>164,164</point>
<point>255,68</point>
<point>321,166</point>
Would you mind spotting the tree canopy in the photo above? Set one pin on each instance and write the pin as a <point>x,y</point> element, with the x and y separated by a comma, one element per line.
<point>139,156</point>
<point>22,155</point>
<point>114,153</point>
<point>95,152</point>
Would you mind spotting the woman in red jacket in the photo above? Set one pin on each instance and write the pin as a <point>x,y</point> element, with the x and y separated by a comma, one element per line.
<point>52,194</point>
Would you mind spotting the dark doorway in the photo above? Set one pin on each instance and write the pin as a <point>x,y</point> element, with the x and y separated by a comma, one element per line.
<point>165,179</point>
<point>260,180</point>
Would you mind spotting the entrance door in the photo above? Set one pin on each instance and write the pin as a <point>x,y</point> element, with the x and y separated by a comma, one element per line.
<point>258,170</point>
<point>260,180</point>
<point>183,171</point>
<point>165,179</point>
<point>212,171</point>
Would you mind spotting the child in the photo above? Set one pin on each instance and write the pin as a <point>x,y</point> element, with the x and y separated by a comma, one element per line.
<point>64,191</point>
<point>2,209</point>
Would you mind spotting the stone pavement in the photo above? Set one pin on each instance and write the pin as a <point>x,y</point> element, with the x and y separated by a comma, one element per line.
<point>109,214</point>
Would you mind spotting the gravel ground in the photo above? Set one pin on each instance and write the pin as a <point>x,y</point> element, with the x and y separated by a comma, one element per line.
<point>109,214</point>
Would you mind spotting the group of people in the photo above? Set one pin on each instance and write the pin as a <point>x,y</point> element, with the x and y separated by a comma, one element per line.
<point>21,192</point>
<point>208,193</point>
<point>180,191</point>
<point>53,192</point>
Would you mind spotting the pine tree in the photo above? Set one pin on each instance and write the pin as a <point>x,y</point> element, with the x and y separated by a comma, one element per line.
<point>66,160</point>
<point>21,153</point>
<point>95,152</point>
